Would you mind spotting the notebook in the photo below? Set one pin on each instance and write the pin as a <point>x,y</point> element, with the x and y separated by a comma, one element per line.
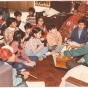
<point>35,84</point>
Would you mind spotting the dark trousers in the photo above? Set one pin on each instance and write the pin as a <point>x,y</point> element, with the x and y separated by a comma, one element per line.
<point>71,64</point>
<point>20,66</point>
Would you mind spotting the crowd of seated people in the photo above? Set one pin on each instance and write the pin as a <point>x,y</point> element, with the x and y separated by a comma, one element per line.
<point>28,46</point>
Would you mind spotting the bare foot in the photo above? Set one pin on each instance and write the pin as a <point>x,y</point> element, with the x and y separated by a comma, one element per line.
<point>79,61</point>
<point>40,58</point>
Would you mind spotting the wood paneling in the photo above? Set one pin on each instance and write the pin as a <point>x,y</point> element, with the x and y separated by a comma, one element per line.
<point>2,4</point>
<point>18,5</point>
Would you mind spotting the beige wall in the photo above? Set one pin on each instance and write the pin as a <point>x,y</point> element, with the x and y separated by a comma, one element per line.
<point>21,5</point>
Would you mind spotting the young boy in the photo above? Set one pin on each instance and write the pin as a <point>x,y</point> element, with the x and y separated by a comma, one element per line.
<point>31,17</point>
<point>28,29</point>
<point>18,15</point>
<point>53,37</point>
<point>9,31</point>
<point>20,24</point>
<point>79,33</point>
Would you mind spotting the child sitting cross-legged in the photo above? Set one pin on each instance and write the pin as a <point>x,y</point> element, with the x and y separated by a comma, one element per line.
<point>18,49</point>
<point>34,46</point>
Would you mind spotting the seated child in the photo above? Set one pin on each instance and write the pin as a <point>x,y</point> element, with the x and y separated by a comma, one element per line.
<point>9,31</point>
<point>28,29</point>
<point>31,17</point>
<point>79,33</point>
<point>18,49</point>
<point>20,23</point>
<point>53,37</point>
<point>34,46</point>
<point>41,25</point>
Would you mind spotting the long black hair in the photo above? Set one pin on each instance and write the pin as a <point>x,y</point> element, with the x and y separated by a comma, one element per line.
<point>18,35</point>
<point>34,30</point>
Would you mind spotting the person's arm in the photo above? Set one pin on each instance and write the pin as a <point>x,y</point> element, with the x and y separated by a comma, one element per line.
<point>40,45</point>
<point>72,37</point>
<point>59,40</point>
<point>76,52</point>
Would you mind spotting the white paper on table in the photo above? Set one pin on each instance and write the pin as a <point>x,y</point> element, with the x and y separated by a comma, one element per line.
<point>35,84</point>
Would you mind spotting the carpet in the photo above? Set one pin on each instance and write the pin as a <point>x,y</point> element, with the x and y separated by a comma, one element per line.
<point>46,71</point>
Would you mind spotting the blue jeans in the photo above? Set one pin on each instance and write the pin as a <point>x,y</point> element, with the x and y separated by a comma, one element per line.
<point>20,66</point>
<point>39,54</point>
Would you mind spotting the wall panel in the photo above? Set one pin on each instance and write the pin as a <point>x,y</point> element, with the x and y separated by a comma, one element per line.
<point>18,5</point>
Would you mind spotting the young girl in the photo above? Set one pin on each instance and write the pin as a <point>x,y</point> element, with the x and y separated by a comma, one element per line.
<point>40,24</point>
<point>21,57</point>
<point>34,46</point>
<point>31,17</point>
<point>9,31</point>
<point>6,55</point>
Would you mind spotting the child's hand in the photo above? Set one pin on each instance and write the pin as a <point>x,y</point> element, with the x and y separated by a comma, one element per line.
<point>54,53</point>
<point>82,44</point>
<point>32,63</point>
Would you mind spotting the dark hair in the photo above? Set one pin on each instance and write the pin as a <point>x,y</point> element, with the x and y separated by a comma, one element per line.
<point>17,13</point>
<point>82,21</point>
<point>1,13</point>
<point>27,25</point>
<point>18,35</point>
<point>35,30</point>
<point>51,26</point>
<point>10,20</point>
<point>32,10</point>
<point>39,18</point>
